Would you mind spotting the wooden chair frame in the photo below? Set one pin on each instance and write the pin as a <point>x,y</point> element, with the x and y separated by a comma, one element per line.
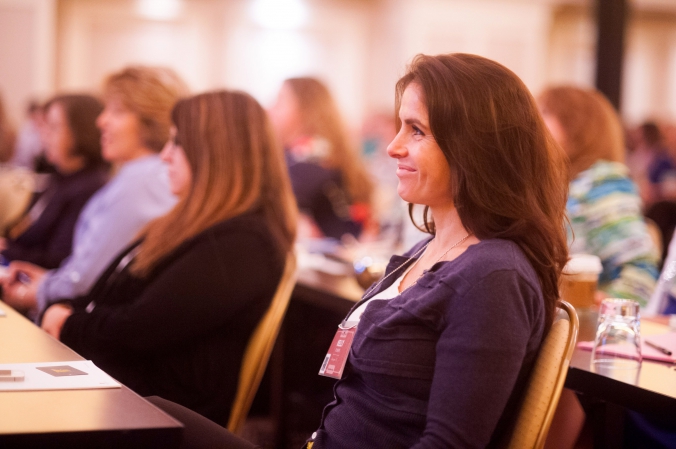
<point>541,399</point>
<point>260,347</point>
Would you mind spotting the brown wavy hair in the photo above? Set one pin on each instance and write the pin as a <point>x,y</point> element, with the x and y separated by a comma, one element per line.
<point>509,177</point>
<point>591,126</point>
<point>150,93</point>
<point>237,167</point>
<point>320,117</point>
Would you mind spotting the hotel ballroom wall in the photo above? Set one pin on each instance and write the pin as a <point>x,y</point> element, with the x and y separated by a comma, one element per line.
<point>359,47</point>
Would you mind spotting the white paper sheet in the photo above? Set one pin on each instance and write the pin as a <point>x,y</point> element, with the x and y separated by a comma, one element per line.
<point>63,377</point>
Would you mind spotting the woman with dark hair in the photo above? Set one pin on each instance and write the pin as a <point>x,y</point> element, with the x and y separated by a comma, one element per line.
<point>329,179</point>
<point>445,342</point>
<point>73,146</point>
<point>442,347</point>
<point>172,314</point>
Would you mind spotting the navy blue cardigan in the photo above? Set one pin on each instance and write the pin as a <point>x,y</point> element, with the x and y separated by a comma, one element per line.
<point>445,363</point>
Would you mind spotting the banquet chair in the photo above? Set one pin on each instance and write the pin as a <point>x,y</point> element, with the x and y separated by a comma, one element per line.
<point>546,381</point>
<point>260,347</point>
<point>16,190</point>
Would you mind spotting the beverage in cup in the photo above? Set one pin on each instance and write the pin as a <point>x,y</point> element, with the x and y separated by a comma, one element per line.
<point>579,280</point>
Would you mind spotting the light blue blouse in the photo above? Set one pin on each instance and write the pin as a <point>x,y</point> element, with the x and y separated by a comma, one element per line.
<point>138,193</point>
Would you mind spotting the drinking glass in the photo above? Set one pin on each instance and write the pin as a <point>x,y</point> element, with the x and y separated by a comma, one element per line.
<point>617,346</point>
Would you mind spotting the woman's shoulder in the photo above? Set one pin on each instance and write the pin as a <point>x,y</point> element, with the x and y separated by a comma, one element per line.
<point>479,260</point>
<point>488,257</point>
<point>602,179</point>
<point>248,228</point>
<point>491,277</point>
<point>244,239</point>
<point>84,182</point>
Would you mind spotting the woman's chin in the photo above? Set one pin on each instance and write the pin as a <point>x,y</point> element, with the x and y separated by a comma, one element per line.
<point>405,195</point>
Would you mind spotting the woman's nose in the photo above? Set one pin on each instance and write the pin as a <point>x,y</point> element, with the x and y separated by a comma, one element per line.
<point>395,149</point>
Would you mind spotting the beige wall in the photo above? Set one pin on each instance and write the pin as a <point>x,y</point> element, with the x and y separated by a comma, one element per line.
<point>359,47</point>
<point>26,52</point>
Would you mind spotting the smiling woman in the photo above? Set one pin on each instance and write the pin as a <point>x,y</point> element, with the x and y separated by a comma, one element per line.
<point>424,175</point>
<point>445,353</point>
<point>438,353</point>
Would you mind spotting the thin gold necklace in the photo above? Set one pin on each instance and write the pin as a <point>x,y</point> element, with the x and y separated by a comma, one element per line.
<point>375,287</point>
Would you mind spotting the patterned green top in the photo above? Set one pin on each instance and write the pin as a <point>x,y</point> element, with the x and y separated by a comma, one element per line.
<point>604,209</point>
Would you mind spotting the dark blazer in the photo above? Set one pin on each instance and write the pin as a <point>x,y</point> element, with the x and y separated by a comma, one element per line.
<point>49,239</point>
<point>321,194</point>
<point>180,333</point>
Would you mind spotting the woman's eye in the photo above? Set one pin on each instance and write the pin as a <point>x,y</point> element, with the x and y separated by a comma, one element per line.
<point>417,131</point>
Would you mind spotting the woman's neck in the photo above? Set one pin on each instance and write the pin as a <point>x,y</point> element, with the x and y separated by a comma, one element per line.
<point>448,226</point>
<point>136,154</point>
<point>71,166</point>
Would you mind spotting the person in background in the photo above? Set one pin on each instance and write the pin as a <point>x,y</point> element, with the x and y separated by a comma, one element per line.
<point>45,234</point>
<point>661,171</point>
<point>603,207</point>
<point>663,299</point>
<point>604,212</point>
<point>7,135</point>
<point>329,179</point>
<point>134,127</point>
<point>29,147</point>
<point>172,314</point>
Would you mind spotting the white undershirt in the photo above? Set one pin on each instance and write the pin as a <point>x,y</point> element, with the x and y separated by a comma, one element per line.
<point>389,293</point>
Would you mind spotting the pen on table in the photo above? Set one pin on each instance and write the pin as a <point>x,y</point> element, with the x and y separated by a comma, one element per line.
<point>664,351</point>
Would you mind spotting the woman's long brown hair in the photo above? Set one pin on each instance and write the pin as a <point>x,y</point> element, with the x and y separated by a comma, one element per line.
<point>237,167</point>
<point>509,176</point>
<point>320,117</point>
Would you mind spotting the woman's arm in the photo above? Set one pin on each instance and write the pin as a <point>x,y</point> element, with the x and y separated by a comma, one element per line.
<point>485,350</point>
<point>49,240</point>
<point>203,289</point>
<point>108,223</point>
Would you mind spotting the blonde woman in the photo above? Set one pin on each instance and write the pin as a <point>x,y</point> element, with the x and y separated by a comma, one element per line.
<point>171,316</point>
<point>603,207</point>
<point>134,127</point>
<point>329,179</point>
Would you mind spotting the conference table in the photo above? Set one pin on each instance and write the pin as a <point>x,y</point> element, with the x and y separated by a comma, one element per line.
<point>652,392</point>
<point>100,418</point>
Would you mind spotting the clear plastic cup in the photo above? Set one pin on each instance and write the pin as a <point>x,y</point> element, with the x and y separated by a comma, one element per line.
<point>617,346</point>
